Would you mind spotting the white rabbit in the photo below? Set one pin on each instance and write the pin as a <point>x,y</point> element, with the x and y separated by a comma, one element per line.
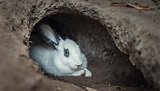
<point>57,56</point>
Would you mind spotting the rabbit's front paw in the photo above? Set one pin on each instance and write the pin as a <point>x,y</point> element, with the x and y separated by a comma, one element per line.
<point>88,73</point>
<point>79,73</point>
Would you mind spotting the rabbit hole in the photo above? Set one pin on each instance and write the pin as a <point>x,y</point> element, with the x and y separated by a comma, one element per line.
<point>108,65</point>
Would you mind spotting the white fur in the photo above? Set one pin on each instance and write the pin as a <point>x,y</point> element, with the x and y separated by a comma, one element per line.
<point>54,62</point>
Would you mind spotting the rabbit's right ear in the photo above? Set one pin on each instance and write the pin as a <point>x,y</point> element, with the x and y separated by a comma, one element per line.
<point>49,35</point>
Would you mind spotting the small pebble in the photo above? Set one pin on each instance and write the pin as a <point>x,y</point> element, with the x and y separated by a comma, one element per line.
<point>90,89</point>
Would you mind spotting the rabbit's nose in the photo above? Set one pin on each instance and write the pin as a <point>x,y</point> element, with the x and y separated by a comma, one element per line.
<point>78,65</point>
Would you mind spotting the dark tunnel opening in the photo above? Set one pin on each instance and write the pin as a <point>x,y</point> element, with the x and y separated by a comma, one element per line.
<point>108,65</point>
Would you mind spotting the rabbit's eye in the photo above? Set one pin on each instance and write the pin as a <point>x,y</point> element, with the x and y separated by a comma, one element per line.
<point>66,52</point>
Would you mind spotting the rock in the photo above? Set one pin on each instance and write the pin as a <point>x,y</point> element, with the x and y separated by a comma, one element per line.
<point>90,89</point>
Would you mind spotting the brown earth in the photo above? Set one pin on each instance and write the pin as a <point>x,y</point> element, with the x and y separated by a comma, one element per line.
<point>101,30</point>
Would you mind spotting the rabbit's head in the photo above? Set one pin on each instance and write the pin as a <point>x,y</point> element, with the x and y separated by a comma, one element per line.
<point>67,51</point>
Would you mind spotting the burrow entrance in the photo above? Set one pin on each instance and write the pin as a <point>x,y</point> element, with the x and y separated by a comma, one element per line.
<point>109,66</point>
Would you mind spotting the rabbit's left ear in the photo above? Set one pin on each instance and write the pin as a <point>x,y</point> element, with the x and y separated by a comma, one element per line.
<point>49,35</point>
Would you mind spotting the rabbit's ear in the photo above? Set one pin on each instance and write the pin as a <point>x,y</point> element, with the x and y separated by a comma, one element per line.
<point>49,35</point>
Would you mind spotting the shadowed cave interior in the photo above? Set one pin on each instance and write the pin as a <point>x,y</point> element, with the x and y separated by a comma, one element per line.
<point>109,66</point>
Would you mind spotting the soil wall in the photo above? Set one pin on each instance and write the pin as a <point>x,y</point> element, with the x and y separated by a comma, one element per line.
<point>135,32</point>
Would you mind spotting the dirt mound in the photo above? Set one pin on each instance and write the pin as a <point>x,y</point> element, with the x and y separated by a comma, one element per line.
<point>103,33</point>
